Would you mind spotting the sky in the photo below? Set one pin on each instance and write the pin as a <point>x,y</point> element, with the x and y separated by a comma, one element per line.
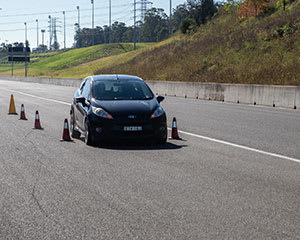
<point>14,14</point>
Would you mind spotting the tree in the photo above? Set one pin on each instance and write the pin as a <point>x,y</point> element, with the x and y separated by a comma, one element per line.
<point>201,10</point>
<point>252,8</point>
<point>55,45</point>
<point>118,30</point>
<point>128,35</point>
<point>181,13</point>
<point>187,25</point>
<point>155,20</point>
<point>18,44</point>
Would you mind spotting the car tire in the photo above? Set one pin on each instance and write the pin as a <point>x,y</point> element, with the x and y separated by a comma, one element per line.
<point>74,133</point>
<point>88,139</point>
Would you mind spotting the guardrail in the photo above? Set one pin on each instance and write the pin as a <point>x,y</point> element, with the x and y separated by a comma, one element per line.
<point>267,95</point>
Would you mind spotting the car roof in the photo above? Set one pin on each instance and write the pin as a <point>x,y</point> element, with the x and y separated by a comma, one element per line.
<point>114,77</point>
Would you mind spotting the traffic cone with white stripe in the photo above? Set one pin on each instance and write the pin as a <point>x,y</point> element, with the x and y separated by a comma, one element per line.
<point>12,107</point>
<point>174,130</point>
<point>22,115</point>
<point>37,123</point>
<point>66,132</point>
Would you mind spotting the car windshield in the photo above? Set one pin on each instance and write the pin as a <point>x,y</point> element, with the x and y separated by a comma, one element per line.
<point>121,90</point>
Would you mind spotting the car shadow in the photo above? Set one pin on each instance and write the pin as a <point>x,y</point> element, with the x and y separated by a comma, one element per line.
<point>141,146</point>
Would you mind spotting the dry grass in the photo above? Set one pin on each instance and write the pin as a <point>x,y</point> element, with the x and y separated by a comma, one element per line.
<point>226,50</point>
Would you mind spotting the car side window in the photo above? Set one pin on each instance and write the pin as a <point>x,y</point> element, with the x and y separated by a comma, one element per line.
<point>86,89</point>
<point>82,84</point>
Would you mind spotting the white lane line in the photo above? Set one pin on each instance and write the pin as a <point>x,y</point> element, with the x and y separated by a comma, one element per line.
<point>187,133</point>
<point>42,98</point>
<point>240,146</point>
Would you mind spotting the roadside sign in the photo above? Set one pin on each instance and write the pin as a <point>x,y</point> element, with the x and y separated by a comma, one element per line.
<point>19,54</point>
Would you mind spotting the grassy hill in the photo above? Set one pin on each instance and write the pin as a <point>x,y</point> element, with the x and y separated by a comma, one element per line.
<point>82,58</point>
<point>258,50</point>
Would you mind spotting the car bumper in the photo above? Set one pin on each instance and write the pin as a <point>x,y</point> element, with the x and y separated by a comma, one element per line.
<point>112,130</point>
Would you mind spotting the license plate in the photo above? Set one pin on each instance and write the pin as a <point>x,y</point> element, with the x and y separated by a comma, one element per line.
<point>133,128</point>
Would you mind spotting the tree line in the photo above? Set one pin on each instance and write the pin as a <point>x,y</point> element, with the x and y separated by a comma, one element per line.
<point>154,28</point>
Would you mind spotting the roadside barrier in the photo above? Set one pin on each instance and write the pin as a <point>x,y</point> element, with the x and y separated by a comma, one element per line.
<point>12,107</point>
<point>175,130</point>
<point>37,123</point>
<point>66,132</point>
<point>22,115</point>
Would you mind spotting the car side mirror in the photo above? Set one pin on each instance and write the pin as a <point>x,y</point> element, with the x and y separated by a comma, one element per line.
<point>82,100</point>
<point>160,98</point>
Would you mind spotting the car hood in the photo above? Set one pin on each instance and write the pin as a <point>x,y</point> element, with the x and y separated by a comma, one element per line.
<point>127,107</point>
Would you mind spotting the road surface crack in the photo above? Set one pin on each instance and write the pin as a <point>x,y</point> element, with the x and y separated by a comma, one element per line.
<point>33,194</point>
<point>38,202</point>
<point>39,166</point>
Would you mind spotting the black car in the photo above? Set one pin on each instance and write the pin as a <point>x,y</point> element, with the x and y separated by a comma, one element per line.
<point>110,108</point>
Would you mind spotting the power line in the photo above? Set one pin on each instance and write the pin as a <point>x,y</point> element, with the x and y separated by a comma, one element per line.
<point>59,12</point>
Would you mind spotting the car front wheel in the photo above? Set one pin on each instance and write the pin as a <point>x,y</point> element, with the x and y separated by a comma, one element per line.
<point>74,133</point>
<point>88,136</point>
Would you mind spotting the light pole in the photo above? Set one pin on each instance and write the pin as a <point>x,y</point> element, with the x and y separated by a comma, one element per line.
<point>109,21</point>
<point>134,26</point>
<point>25,32</point>
<point>25,49</point>
<point>170,23</point>
<point>37,33</point>
<point>64,13</point>
<point>43,32</point>
<point>93,21</point>
<point>50,32</point>
<point>78,26</point>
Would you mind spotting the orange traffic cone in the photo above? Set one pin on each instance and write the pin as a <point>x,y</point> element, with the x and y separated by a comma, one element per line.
<point>12,108</point>
<point>174,130</point>
<point>22,115</point>
<point>37,124</point>
<point>66,132</point>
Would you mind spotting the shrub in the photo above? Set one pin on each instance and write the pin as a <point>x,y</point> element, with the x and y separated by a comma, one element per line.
<point>187,25</point>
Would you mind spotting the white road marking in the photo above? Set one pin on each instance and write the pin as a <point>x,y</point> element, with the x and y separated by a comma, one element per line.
<point>187,133</point>
<point>42,98</point>
<point>240,146</point>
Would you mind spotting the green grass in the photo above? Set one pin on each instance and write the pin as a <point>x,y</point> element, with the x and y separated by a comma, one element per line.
<point>48,53</point>
<point>81,58</point>
<point>6,68</point>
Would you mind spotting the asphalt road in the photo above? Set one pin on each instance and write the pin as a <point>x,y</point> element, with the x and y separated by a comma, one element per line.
<point>193,189</point>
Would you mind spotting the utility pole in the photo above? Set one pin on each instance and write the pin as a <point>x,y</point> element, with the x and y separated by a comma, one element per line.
<point>37,33</point>
<point>134,26</point>
<point>43,32</point>
<point>25,23</point>
<point>144,9</point>
<point>54,33</point>
<point>50,32</point>
<point>170,23</point>
<point>93,21</point>
<point>25,48</point>
<point>109,21</point>
<point>64,13</point>
<point>79,43</point>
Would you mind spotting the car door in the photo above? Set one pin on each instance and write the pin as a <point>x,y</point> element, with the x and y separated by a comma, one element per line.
<point>82,108</point>
<point>76,107</point>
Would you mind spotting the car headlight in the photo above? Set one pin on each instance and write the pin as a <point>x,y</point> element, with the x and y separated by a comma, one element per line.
<point>158,112</point>
<point>101,113</point>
